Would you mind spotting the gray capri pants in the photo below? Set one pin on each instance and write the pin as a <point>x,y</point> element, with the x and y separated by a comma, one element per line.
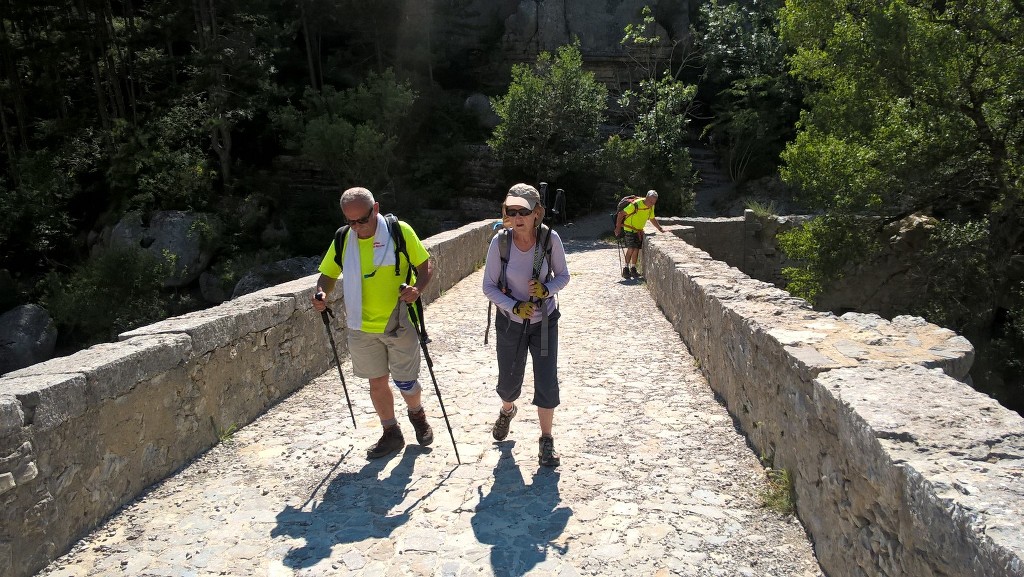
<point>512,370</point>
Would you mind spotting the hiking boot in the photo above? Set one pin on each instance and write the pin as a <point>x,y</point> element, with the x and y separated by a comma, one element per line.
<point>391,441</point>
<point>625,272</point>
<point>500,430</point>
<point>633,273</point>
<point>424,434</point>
<point>548,457</point>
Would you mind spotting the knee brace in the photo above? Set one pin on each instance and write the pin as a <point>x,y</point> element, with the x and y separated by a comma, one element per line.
<point>408,387</point>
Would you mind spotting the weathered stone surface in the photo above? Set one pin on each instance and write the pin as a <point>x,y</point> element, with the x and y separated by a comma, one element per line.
<point>45,401</point>
<point>111,369</point>
<point>480,106</point>
<point>216,327</point>
<point>12,418</point>
<point>545,26</point>
<point>27,336</point>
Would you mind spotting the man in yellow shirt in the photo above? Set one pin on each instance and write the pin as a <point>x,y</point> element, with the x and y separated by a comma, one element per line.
<point>382,340</point>
<point>632,219</point>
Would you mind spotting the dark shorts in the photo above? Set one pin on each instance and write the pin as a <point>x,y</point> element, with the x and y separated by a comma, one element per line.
<point>631,239</point>
<point>510,340</point>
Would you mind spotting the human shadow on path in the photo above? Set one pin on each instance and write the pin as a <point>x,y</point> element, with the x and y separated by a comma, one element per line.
<point>520,521</point>
<point>355,507</point>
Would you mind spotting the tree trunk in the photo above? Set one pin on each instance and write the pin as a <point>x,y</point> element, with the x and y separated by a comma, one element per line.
<point>309,46</point>
<point>12,152</point>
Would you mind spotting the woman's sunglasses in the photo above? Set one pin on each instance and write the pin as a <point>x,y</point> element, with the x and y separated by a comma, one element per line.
<point>518,211</point>
<point>363,220</point>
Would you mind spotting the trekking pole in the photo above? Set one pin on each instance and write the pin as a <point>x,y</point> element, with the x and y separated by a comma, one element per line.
<point>618,242</point>
<point>416,309</point>
<point>324,314</point>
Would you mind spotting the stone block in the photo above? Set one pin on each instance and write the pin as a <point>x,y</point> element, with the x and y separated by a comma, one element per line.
<point>113,368</point>
<point>46,401</point>
<point>223,324</point>
<point>12,418</point>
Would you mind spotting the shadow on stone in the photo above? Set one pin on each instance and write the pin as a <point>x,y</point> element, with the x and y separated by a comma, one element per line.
<point>355,507</point>
<point>521,522</point>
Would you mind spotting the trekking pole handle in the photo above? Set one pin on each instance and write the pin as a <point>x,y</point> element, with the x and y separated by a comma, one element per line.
<point>327,313</point>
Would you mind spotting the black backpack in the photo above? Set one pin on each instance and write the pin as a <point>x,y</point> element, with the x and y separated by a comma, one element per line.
<point>397,238</point>
<point>622,204</point>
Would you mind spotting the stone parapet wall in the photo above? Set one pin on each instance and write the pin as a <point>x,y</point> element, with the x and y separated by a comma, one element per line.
<point>898,467</point>
<point>746,242</point>
<point>82,435</point>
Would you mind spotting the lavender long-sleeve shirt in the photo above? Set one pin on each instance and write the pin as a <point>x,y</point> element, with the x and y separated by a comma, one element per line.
<point>519,272</point>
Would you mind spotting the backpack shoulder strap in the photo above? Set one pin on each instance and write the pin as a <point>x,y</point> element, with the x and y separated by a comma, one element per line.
<point>398,238</point>
<point>504,248</point>
<point>339,244</point>
<point>544,238</point>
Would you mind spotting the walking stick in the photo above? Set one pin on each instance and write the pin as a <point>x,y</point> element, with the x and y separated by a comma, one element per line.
<point>330,336</point>
<point>416,309</point>
<point>618,241</point>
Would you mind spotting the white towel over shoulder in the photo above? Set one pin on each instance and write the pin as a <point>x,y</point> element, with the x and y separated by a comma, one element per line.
<point>352,275</point>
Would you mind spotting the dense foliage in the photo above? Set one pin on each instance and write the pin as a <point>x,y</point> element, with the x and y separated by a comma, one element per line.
<point>147,105</point>
<point>916,108</point>
<point>550,117</point>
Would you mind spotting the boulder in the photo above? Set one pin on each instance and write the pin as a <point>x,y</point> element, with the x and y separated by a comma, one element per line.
<point>188,236</point>
<point>275,273</point>
<point>480,106</point>
<point>212,289</point>
<point>27,336</point>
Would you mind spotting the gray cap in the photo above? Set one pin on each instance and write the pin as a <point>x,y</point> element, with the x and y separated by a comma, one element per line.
<point>522,195</point>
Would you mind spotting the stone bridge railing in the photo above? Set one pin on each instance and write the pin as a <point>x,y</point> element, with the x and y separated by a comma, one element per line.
<point>899,468</point>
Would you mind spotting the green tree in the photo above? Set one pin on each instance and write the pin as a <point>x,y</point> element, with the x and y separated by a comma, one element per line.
<point>916,107</point>
<point>119,290</point>
<point>654,154</point>
<point>352,134</point>
<point>550,117</point>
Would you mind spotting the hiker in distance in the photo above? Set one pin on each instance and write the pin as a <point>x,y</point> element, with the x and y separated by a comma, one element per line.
<point>379,254</point>
<point>632,219</point>
<point>525,270</point>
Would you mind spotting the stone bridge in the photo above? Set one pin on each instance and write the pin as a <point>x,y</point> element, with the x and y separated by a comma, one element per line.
<point>219,443</point>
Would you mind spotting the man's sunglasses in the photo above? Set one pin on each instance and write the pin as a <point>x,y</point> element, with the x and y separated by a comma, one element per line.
<point>363,220</point>
<point>518,211</point>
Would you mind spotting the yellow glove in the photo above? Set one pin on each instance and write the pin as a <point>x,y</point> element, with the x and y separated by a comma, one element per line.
<point>538,290</point>
<point>524,309</point>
